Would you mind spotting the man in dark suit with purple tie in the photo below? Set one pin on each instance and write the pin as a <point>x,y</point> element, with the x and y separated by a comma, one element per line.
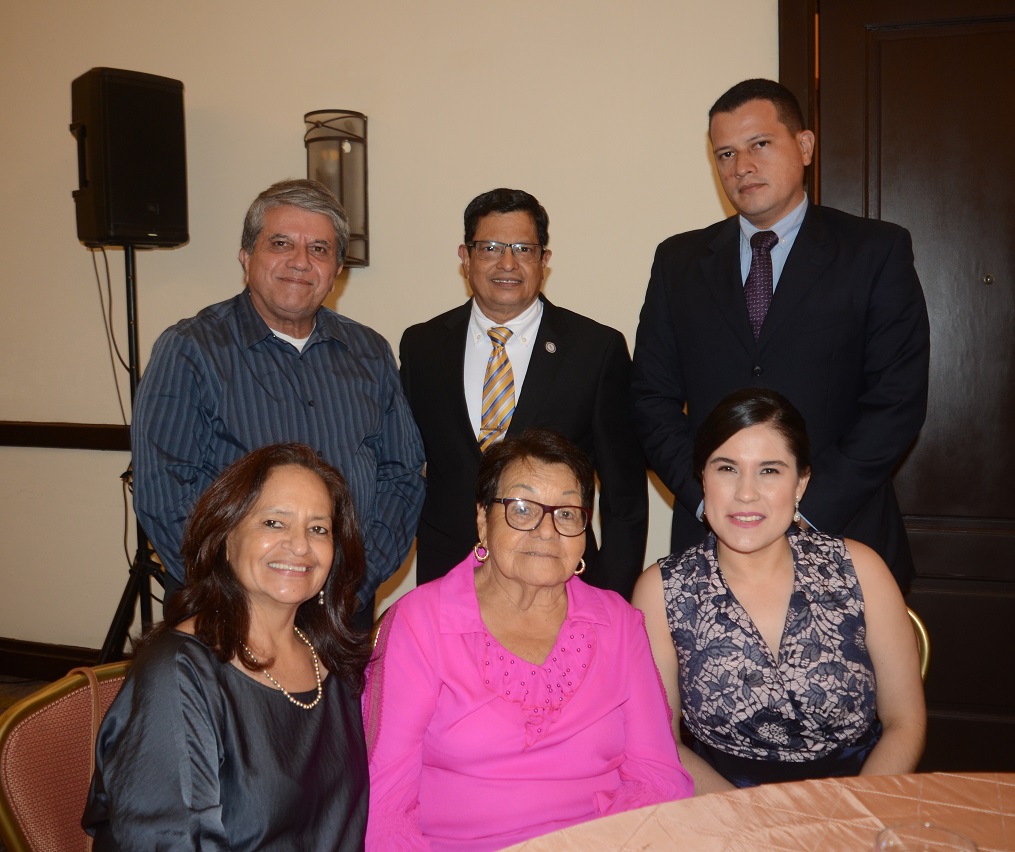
<point>844,336</point>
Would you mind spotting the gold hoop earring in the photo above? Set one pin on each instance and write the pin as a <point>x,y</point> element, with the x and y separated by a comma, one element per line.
<point>480,557</point>
<point>580,569</point>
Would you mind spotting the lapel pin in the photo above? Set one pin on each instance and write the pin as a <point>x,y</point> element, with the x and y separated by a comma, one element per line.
<point>551,347</point>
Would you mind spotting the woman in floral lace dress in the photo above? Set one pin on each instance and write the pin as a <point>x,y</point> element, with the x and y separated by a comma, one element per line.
<point>788,652</point>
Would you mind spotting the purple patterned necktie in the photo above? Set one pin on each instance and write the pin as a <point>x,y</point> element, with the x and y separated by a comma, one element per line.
<point>758,286</point>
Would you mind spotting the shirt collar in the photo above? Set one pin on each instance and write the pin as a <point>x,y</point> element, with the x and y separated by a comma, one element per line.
<point>253,329</point>
<point>523,326</point>
<point>784,228</point>
<point>459,606</point>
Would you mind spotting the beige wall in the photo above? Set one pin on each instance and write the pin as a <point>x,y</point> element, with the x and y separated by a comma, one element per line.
<point>598,108</point>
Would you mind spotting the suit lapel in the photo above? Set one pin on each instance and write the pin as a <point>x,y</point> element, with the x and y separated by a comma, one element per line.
<point>449,362</point>
<point>549,347</point>
<point>812,251</point>
<point>721,270</point>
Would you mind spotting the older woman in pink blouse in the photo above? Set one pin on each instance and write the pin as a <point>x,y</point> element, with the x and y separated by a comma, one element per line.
<point>509,699</point>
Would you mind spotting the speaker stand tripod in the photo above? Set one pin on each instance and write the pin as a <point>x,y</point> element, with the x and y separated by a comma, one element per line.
<point>137,593</point>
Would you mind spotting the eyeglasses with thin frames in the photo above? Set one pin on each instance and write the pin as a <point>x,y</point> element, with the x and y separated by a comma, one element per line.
<point>492,250</point>
<point>526,515</point>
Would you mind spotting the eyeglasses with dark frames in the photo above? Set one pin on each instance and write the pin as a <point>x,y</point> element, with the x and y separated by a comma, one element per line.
<point>526,515</point>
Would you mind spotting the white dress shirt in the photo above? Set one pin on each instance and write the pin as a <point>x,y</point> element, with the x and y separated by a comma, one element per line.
<point>479,345</point>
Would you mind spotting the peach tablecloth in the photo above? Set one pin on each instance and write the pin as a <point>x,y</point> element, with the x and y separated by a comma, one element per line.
<point>835,814</point>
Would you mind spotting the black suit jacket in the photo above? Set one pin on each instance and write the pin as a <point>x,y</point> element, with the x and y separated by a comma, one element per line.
<point>846,339</point>
<point>577,384</point>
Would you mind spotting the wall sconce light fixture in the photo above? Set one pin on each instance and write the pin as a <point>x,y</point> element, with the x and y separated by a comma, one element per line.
<point>336,141</point>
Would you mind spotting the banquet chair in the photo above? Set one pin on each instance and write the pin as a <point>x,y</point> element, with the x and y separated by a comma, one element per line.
<point>377,627</point>
<point>47,755</point>
<point>922,642</point>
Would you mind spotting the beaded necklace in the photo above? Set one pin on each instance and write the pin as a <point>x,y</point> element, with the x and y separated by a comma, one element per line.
<point>317,674</point>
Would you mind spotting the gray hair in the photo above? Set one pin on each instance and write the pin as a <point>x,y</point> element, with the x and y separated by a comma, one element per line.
<point>309,195</point>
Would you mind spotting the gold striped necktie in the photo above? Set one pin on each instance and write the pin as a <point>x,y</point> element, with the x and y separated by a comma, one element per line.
<point>498,391</point>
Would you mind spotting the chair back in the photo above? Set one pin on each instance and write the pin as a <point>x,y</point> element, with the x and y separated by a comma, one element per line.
<point>375,632</point>
<point>922,642</point>
<point>47,756</point>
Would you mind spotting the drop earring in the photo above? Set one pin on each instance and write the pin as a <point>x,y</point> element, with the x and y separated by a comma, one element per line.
<point>320,597</point>
<point>796,512</point>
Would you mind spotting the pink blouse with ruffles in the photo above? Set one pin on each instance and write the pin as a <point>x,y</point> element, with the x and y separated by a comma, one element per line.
<point>471,747</point>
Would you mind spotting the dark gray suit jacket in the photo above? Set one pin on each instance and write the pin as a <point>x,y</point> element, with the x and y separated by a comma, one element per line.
<point>846,339</point>
<point>577,384</point>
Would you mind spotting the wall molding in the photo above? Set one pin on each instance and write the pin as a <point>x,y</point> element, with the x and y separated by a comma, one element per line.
<point>64,436</point>
<point>39,661</point>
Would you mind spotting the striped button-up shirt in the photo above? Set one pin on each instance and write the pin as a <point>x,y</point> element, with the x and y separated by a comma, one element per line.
<point>221,384</point>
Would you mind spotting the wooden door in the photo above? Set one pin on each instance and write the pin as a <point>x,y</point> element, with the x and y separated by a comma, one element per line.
<point>914,103</point>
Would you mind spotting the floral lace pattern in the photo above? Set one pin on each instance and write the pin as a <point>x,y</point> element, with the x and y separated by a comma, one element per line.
<point>541,690</point>
<point>735,695</point>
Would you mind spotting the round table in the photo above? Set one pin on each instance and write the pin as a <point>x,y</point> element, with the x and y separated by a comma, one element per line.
<point>836,814</point>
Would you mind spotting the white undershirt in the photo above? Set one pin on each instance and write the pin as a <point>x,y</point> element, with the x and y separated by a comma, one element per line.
<point>477,353</point>
<point>298,342</point>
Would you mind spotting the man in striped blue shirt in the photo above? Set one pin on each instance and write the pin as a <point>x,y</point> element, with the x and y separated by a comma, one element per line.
<point>271,364</point>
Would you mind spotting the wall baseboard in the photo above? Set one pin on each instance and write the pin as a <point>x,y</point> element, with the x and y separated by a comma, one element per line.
<point>39,661</point>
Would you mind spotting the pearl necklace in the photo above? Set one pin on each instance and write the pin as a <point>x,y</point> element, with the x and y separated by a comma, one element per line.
<point>282,689</point>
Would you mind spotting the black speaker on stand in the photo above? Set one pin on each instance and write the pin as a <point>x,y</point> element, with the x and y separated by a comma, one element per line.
<point>132,192</point>
<point>132,159</point>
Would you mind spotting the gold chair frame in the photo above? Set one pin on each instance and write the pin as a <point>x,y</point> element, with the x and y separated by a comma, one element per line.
<point>922,642</point>
<point>47,755</point>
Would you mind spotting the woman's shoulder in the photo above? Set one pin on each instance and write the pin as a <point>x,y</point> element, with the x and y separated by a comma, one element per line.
<point>697,559</point>
<point>693,572</point>
<point>814,539</point>
<point>424,598</point>
<point>869,568</point>
<point>831,570</point>
<point>169,643</point>
<point>445,605</point>
<point>600,606</point>
<point>823,554</point>
<point>860,553</point>
<point>171,670</point>
<point>173,652</point>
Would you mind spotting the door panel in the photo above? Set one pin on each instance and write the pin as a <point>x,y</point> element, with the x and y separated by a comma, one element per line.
<point>916,117</point>
<point>933,170</point>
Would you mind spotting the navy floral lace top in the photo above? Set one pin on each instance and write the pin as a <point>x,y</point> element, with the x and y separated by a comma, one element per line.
<point>819,695</point>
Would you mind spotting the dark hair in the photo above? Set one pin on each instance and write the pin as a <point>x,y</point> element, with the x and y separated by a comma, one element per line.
<point>759,89</point>
<point>534,446</point>
<point>309,195</point>
<point>219,604</point>
<point>506,201</point>
<point>749,407</point>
